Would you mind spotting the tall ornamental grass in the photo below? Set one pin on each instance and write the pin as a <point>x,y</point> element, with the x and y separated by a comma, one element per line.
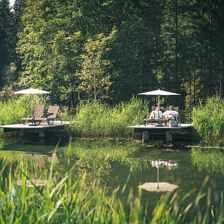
<point>208,121</point>
<point>100,120</point>
<point>13,110</point>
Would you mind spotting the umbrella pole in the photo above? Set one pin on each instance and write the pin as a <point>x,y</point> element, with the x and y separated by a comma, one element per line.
<point>158,174</point>
<point>158,108</point>
<point>31,109</point>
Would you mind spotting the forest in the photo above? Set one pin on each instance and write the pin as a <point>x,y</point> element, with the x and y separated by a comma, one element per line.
<point>110,50</point>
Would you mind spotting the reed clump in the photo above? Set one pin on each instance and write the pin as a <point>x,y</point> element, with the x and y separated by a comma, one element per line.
<point>100,120</point>
<point>13,110</point>
<point>208,121</point>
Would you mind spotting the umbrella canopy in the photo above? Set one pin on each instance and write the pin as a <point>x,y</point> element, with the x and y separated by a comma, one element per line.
<point>163,186</point>
<point>159,93</point>
<point>31,91</point>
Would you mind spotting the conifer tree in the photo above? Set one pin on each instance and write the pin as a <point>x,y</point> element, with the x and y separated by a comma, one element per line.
<point>5,37</point>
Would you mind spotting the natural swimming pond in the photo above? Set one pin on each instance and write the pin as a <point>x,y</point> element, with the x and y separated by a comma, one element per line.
<point>123,166</point>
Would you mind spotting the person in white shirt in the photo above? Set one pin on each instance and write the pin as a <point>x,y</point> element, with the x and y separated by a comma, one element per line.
<point>156,114</point>
<point>170,113</point>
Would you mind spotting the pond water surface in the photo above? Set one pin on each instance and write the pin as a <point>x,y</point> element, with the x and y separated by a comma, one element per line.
<point>122,165</point>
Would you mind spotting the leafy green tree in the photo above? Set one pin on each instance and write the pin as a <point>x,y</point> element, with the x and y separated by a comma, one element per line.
<point>175,45</point>
<point>134,48</point>
<point>95,74</point>
<point>13,68</point>
<point>49,45</point>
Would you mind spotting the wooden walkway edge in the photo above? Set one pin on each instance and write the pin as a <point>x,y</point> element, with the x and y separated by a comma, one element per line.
<point>40,129</point>
<point>169,131</point>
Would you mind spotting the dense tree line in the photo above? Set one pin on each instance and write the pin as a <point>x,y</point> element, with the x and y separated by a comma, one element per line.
<point>109,50</point>
<point>10,63</point>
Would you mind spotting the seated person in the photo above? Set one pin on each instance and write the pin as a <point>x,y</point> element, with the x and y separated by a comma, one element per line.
<point>170,113</point>
<point>155,114</point>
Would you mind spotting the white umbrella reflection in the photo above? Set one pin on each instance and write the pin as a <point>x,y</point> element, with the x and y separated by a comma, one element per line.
<point>160,186</point>
<point>33,182</point>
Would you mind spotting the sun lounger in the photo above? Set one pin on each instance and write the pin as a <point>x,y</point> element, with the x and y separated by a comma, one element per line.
<point>160,121</point>
<point>36,115</point>
<point>51,115</point>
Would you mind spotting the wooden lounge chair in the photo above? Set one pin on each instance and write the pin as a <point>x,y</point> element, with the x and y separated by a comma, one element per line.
<point>163,120</point>
<point>160,121</point>
<point>36,115</point>
<point>51,115</point>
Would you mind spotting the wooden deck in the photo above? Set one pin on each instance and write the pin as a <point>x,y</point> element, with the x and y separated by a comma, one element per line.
<point>40,129</point>
<point>168,131</point>
<point>156,127</point>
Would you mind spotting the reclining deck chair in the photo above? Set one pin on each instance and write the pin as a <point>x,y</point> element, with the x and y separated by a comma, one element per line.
<point>158,121</point>
<point>51,115</point>
<point>36,115</point>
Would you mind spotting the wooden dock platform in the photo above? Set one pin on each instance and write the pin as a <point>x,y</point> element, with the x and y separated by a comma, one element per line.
<point>41,129</point>
<point>168,131</point>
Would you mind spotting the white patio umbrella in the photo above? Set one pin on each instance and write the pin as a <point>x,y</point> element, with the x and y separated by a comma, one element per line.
<point>159,93</point>
<point>30,91</point>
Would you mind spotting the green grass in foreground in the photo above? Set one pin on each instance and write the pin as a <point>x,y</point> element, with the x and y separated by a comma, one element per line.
<point>68,200</point>
<point>100,120</point>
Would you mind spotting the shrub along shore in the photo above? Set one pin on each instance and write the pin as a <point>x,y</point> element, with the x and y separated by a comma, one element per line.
<point>100,120</point>
<point>208,121</point>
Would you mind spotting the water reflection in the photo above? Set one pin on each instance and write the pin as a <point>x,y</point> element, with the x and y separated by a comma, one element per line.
<point>32,183</point>
<point>116,164</point>
<point>41,160</point>
<point>169,164</point>
<point>97,159</point>
<point>208,159</point>
<point>160,186</point>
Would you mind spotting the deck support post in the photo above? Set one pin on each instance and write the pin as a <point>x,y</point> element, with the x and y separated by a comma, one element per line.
<point>145,136</point>
<point>41,134</point>
<point>21,133</point>
<point>169,137</point>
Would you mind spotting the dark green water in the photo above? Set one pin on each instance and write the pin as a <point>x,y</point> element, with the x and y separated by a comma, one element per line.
<point>122,165</point>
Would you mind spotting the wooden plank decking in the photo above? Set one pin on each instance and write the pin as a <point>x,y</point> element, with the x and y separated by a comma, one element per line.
<point>40,129</point>
<point>14,127</point>
<point>156,127</point>
<point>168,131</point>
